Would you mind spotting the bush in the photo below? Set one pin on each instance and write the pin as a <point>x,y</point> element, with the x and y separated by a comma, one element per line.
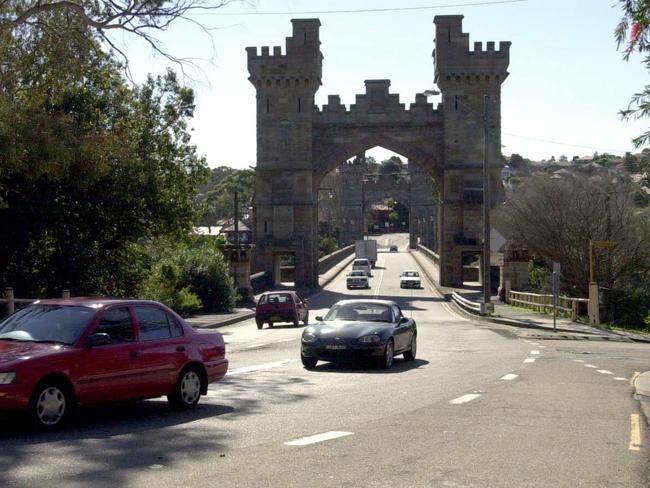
<point>190,276</point>
<point>327,245</point>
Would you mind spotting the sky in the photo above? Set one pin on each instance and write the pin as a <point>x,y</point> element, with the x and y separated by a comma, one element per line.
<point>567,80</point>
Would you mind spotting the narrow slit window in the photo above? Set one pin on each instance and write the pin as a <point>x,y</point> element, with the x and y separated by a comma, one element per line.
<point>456,103</point>
<point>298,105</point>
<point>268,106</point>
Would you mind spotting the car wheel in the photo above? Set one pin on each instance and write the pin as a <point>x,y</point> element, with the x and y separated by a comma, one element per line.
<point>389,352</point>
<point>308,362</point>
<point>270,324</point>
<point>296,320</point>
<point>348,287</point>
<point>187,391</point>
<point>306,319</point>
<point>51,404</point>
<point>410,354</point>
<point>259,323</point>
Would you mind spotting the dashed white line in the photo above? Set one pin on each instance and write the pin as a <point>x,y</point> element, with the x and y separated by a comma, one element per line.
<point>465,398</point>
<point>620,378</point>
<point>260,367</point>
<point>591,366</point>
<point>534,352</point>
<point>529,360</point>
<point>578,361</point>
<point>313,439</point>
<point>604,371</point>
<point>534,344</point>
<point>509,377</point>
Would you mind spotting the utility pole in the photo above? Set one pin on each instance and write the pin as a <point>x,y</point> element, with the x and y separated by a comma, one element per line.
<point>486,208</point>
<point>236,219</point>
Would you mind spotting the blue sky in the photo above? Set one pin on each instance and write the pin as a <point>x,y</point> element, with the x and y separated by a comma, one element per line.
<point>567,80</point>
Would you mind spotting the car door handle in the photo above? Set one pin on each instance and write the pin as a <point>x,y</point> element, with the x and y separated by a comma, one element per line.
<point>180,349</point>
<point>134,354</point>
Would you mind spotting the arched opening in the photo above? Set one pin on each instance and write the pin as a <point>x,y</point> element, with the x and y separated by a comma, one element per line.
<point>375,194</point>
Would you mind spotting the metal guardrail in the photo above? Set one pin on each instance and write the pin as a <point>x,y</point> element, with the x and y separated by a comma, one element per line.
<point>469,305</point>
<point>430,254</point>
<point>543,303</point>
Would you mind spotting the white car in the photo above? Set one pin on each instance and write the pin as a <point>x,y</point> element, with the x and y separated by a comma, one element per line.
<point>362,264</point>
<point>409,279</point>
<point>357,279</point>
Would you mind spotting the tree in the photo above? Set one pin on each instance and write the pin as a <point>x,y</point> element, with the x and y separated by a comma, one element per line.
<point>97,19</point>
<point>632,34</point>
<point>220,199</point>
<point>556,218</point>
<point>393,164</point>
<point>95,168</point>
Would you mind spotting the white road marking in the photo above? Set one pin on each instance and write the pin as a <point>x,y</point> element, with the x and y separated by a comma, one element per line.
<point>543,347</point>
<point>286,340</point>
<point>381,278</point>
<point>260,367</point>
<point>253,346</point>
<point>634,377</point>
<point>465,398</point>
<point>325,436</point>
<point>604,371</point>
<point>620,378</point>
<point>534,352</point>
<point>534,344</point>
<point>591,366</point>
<point>529,360</point>
<point>578,361</point>
<point>510,377</point>
<point>635,432</point>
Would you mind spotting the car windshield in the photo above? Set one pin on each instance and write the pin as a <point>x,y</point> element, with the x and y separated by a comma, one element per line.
<point>47,323</point>
<point>360,262</point>
<point>360,312</point>
<point>357,273</point>
<point>410,274</point>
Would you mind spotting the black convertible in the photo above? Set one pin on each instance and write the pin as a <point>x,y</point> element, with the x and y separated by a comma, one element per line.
<point>360,329</point>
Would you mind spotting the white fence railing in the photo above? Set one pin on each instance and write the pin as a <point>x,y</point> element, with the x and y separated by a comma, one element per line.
<point>10,301</point>
<point>568,306</point>
<point>430,254</point>
<point>469,305</point>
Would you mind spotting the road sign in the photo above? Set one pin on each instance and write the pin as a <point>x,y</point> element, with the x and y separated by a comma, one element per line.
<point>604,243</point>
<point>556,268</point>
<point>496,240</point>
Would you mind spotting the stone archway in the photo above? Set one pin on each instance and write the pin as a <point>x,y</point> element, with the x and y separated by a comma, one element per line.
<point>298,143</point>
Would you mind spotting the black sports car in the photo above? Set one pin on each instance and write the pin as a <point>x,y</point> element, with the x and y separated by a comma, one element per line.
<point>355,329</point>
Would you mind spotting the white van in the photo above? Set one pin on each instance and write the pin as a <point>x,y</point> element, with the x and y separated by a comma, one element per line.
<point>362,264</point>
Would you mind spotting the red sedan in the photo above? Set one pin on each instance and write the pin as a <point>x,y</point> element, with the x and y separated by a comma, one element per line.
<point>58,354</point>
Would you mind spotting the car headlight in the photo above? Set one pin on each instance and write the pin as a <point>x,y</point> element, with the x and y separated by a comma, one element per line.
<point>370,339</point>
<point>309,337</point>
<point>7,378</point>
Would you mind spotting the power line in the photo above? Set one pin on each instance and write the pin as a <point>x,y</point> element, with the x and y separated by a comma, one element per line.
<point>370,10</point>
<point>564,143</point>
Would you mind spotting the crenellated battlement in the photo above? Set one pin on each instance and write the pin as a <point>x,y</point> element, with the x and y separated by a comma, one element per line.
<point>453,57</point>
<point>302,59</point>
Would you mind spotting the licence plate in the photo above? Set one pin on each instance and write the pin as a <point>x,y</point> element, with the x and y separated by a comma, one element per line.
<point>276,318</point>
<point>336,348</point>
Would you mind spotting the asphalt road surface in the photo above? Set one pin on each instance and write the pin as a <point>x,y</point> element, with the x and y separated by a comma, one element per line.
<point>479,407</point>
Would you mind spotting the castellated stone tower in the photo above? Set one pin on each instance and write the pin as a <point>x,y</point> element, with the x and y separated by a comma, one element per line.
<point>285,219</point>
<point>465,77</point>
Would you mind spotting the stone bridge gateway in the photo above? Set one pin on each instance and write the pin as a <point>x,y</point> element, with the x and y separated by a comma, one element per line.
<point>299,143</point>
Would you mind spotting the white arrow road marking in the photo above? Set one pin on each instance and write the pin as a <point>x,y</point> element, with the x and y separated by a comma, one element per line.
<point>529,360</point>
<point>465,399</point>
<point>509,377</point>
<point>325,436</point>
<point>260,367</point>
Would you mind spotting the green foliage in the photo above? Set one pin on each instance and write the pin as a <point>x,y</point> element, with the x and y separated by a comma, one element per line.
<point>218,196</point>
<point>539,277</point>
<point>93,166</point>
<point>189,277</point>
<point>633,34</point>
<point>327,245</point>
<point>632,307</point>
<point>391,165</point>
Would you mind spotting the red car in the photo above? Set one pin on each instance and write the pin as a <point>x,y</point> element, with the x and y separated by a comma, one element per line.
<point>281,306</point>
<point>57,354</point>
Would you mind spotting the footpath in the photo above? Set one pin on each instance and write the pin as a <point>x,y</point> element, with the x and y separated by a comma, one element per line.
<point>537,325</point>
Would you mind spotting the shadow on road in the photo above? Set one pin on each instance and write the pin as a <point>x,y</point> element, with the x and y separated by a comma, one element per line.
<point>399,366</point>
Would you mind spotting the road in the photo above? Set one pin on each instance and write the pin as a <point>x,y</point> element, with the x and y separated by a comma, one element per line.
<point>479,407</point>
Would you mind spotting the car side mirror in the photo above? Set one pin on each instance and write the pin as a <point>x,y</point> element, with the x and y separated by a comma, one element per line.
<point>319,318</point>
<point>98,339</point>
<point>402,321</point>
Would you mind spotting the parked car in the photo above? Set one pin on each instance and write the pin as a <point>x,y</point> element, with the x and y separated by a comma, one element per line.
<point>410,279</point>
<point>362,264</point>
<point>56,355</point>
<point>281,306</point>
<point>355,329</point>
<point>393,248</point>
<point>357,279</point>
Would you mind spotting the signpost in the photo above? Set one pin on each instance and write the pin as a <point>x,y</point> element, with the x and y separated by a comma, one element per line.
<point>556,291</point>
